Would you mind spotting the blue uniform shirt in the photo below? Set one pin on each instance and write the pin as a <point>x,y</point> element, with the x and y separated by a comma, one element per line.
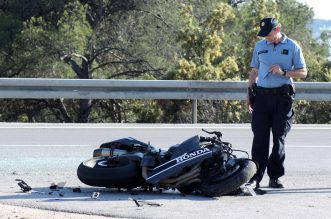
<point>287,54</point>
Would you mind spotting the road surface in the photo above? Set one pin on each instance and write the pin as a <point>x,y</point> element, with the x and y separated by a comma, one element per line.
<point>41,154</point>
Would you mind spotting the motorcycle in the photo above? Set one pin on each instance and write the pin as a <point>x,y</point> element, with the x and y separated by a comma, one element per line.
<point>205,165</point>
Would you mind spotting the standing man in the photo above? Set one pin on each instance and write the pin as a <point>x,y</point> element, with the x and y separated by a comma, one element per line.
<point>276,60</point>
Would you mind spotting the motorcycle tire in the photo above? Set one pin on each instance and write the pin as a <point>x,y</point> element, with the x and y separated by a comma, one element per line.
<point>246,170</point>
<point>188,189</point>
<point>103,172</point>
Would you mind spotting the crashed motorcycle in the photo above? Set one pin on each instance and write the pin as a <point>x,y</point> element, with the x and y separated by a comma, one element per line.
<point>204,165</point>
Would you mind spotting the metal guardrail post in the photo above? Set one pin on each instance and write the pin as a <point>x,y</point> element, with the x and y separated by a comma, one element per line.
<point>195,111</point>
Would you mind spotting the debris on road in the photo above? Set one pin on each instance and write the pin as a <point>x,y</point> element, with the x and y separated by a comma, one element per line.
<point>76,189</point>
<point>53,186</point>
<point>248,190</point>
<point>60,185</point>
<point>95,195</point>
<point>140,203</point>
<point>24,186</point>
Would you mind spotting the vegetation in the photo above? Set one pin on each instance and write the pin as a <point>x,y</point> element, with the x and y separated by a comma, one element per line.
<point>140,39</point>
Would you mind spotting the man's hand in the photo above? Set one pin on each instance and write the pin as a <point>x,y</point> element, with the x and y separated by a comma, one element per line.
<point>251,80</point>
<point>249,105</point>
<point>276,69</point>
<point>250,98</point>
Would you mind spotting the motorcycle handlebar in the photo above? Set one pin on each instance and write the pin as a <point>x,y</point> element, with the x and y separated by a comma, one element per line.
<point>208,139</point>
<point>202,139</point>
<point>218,134</point>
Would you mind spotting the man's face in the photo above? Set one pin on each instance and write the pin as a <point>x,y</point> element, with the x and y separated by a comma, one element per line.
<point>271,37</point>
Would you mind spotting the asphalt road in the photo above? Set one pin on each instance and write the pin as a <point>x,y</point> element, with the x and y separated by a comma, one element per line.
<point>41,154</point>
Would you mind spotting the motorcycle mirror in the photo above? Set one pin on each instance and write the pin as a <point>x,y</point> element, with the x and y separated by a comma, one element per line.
<point>206,131</point>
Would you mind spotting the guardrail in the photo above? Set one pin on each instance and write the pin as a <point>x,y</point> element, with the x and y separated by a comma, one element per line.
<point>42,88</point>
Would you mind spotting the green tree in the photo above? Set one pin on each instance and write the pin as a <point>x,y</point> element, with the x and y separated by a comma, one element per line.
<point>94,39</point>
<point>201,57</point>
<point>134,39</point>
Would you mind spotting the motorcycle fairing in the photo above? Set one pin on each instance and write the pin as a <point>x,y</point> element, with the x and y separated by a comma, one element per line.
<point>187,145</point>
<point>176,165</point>
<point>127,144</point>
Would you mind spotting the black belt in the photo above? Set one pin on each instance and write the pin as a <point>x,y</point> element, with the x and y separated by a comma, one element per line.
<point>285,89</point>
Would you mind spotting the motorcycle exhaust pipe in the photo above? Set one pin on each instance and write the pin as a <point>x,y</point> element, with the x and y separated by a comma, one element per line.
<point>181,177</point>
<point>183,182</point>
<point>194,172</point>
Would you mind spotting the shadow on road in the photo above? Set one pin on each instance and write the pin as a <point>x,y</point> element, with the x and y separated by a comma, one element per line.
<point>300,190</point>
<point>44,194</point>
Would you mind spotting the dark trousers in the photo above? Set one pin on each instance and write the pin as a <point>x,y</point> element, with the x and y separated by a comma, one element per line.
<point>271,112</point>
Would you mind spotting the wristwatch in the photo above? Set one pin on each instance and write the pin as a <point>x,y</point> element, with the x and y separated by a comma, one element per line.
<point>284,72</point>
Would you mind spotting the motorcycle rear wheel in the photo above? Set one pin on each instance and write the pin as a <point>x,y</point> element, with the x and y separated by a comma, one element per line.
<point>103,172</point>
<point>246,170</point>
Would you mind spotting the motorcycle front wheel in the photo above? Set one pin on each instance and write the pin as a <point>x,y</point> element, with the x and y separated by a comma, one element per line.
<point>222,185</point>
<point>110,173</point>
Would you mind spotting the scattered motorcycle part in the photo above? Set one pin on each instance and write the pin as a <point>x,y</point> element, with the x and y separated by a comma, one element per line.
<point>248,190</point>
<point>53,186</point>
<point>23,185</point>
<point>140,203</point>
<point>76,189</point>
<point>60,185</point>
<point>95,195</point>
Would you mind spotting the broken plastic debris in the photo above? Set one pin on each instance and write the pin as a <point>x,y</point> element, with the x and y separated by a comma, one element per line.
<point>248,190</point>
<point>95,195</point>
<point>60,185</point>
<point>24,186</point>
<point>140,203</point>
<point>53,186</point>
<point>135,201</point>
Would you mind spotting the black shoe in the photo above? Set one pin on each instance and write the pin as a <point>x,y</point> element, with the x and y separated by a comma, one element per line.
<point>276,183</point>
<point>254,183</point>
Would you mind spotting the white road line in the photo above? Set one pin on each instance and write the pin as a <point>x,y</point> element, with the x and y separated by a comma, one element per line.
<point>41,145</point>
<point>303,146</point>
<point>5,125</point>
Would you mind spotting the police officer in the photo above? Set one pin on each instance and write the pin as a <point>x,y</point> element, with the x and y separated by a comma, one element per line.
<point>276,60</point>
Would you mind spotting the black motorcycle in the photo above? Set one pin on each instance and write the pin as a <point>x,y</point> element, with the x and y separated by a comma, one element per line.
<point>205,165</point>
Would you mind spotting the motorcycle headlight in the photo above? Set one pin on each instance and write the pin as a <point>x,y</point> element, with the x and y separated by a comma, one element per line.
<point>102,152</point>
